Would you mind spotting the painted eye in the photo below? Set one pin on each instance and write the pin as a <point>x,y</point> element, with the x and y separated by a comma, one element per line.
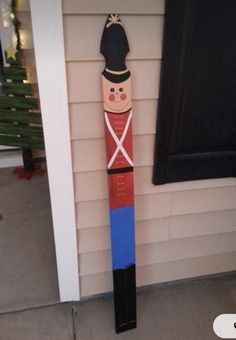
<point>112,89</point>
<point>121,89</point>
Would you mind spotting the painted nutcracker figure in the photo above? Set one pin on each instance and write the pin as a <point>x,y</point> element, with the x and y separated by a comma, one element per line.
<point>116,84</point>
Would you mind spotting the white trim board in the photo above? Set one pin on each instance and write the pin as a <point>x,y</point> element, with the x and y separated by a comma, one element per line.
<point>50,63</point>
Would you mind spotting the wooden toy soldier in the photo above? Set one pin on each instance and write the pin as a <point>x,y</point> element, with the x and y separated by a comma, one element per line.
<point>118,134</point>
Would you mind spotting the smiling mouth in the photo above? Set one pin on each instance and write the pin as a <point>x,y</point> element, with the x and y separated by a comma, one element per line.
<point>115,108</point>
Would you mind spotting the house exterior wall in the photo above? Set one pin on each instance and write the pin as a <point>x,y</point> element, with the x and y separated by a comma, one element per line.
<point>182,229</point>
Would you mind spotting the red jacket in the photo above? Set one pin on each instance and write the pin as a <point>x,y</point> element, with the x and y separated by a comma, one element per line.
<point>119,124</point>
<point>119,150</point>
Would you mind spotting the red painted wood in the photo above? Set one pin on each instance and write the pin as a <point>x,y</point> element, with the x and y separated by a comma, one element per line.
<point>116,84</point>
<point>118,123</point>
<point>121,190</point>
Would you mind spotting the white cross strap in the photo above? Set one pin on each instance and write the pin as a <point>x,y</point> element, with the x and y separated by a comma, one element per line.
<point>119,142</point>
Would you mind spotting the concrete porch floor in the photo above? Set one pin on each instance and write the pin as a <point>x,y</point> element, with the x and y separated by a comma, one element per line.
<point>28,275</point>
<point>28,282</point>
<point>178,311</point>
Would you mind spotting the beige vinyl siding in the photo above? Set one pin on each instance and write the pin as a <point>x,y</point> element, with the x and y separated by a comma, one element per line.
<point>163,272</point>
<point>182,229</point>
<point>150,254</point>
<point>89,187</point>
<point>82,129</point>
<point>145,76</point>
<point>88,44</point>
<point>112,6</point>
<point>162,229</point>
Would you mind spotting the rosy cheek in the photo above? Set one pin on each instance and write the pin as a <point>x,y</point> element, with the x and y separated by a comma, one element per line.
<point>123,96</point>
<point>112,97</point>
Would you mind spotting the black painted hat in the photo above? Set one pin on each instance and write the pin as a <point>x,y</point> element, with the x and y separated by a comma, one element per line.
<point>114,47</point>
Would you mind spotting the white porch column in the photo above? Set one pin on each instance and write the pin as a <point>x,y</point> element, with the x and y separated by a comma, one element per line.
<point>50,62</point>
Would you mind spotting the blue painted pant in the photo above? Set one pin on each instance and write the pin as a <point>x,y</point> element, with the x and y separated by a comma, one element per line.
<point>122,237</point>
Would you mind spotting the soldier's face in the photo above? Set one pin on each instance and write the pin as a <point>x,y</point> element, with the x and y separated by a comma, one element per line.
<point>116,96</point>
